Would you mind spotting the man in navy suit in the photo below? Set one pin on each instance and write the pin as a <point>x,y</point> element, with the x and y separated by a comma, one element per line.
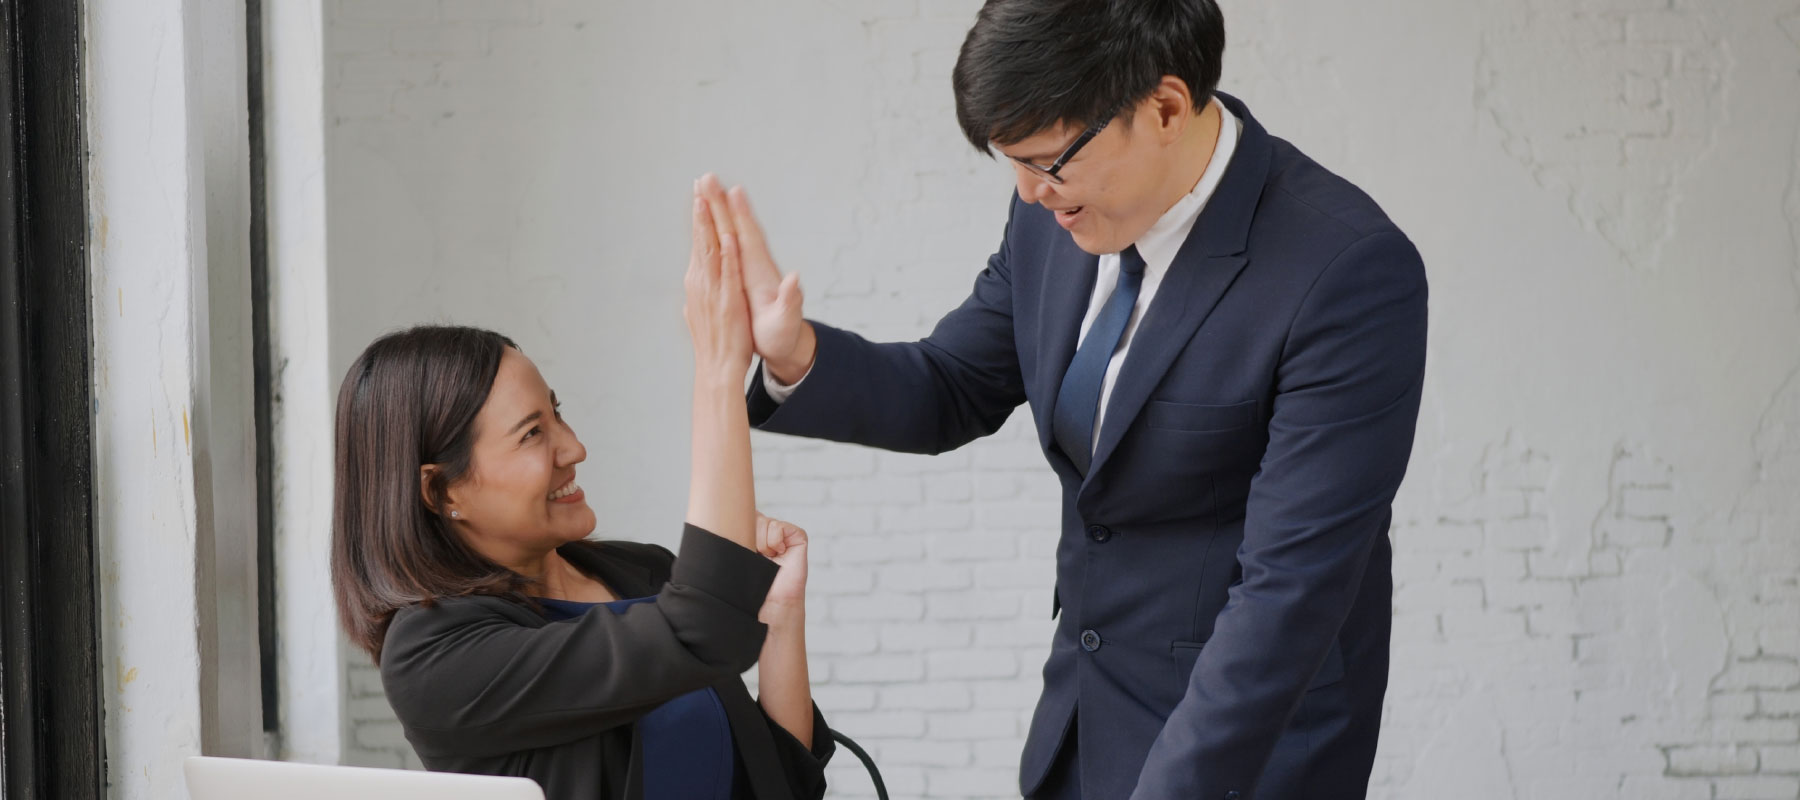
<point>1223,346</point>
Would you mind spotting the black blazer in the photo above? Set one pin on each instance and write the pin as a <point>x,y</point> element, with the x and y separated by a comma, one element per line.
<point>485,685</point>
<point>1223,571</point>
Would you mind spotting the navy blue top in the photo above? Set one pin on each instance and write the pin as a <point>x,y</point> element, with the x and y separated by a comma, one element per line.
<point>687,741</point>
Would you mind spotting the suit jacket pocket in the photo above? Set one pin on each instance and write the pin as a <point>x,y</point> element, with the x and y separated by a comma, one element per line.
<point>1165,415</point>
<point>1186,655</point>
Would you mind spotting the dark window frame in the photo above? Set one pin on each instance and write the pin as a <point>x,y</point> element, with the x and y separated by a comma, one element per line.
<point>263,376</point>
<point>51,735</point>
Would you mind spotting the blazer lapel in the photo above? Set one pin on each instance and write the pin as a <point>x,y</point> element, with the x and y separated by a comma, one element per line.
<point>1187,295</point>
<point>1202,271</point>
<point>1068,280</point>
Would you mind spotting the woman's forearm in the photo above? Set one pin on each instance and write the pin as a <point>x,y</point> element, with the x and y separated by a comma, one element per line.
<point>721,490</point>
<point>783,685</point>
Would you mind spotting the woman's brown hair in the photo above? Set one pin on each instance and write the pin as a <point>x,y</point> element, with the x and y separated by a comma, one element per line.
<point>409,400</point>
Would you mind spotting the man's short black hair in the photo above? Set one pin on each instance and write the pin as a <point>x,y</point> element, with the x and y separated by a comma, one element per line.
<point>1029,64</point>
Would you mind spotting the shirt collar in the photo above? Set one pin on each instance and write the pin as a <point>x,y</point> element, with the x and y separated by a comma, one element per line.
<point>1159,245</point>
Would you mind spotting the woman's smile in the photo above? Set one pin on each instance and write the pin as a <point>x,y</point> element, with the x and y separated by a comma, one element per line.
<point>569,493</point>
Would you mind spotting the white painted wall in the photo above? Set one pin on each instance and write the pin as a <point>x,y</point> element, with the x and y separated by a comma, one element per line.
<point>1599,579</point>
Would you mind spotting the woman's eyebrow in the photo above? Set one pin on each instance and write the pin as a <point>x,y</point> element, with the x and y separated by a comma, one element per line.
<point>533,417</point>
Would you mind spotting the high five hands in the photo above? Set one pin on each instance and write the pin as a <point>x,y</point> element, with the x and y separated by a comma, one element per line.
<point>780,333</point>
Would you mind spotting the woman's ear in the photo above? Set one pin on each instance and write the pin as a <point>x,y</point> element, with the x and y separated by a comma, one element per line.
<point>427,472</point>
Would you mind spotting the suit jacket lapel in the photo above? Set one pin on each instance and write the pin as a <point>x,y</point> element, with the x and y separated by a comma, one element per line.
<point>1068,279</point>
<point>1187,295</point>
<point>1202,271</point>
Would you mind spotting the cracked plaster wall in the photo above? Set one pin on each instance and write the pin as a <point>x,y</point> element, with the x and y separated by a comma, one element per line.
<point>1596,549</point>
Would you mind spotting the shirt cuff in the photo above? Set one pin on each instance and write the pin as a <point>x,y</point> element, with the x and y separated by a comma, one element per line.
<point>778,391</point>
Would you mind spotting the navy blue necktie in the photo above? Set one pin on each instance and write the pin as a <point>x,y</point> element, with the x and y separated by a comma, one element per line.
<point>1078,401</point>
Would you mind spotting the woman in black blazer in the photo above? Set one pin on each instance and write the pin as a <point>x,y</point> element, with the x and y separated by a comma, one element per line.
<point>509,644</point>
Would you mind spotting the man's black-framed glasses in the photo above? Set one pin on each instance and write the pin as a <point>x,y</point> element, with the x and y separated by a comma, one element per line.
<point>1050,173</point>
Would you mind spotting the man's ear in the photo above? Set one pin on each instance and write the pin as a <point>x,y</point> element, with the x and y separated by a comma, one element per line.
<point>1173,103</point>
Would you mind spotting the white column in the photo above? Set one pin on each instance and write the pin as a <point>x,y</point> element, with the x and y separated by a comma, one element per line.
<point>173,433</point>
<point>148,263</point>
<point>311,676</point>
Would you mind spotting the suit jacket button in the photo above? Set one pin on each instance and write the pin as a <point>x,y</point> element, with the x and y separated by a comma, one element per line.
<point>1099,533</point>
<point>1090,641</point>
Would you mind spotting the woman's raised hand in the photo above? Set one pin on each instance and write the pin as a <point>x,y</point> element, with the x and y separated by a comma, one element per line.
<point>717,313</point>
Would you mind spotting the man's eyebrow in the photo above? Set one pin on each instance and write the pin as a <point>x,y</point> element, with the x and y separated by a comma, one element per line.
<point>1033,157</point>
<point>533,417</point>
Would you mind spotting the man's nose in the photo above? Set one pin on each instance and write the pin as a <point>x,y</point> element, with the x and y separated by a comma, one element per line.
<point>1032,189</point>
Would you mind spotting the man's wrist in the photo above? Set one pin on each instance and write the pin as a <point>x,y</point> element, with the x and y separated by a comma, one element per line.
<point>790,369</point>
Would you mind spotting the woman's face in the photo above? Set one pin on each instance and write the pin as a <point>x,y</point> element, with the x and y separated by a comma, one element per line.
<point>519,497</point>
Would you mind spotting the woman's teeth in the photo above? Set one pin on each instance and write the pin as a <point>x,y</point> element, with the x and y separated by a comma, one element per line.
<point>565,491</point>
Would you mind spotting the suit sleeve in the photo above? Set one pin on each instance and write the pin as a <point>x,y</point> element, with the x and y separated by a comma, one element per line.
<point>466,680</point>
<point>1340,436</point>
<point>954,386</point>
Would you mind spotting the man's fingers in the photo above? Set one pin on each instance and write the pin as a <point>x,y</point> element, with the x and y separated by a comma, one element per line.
<point>788,296</point>
<point>743,218</point>
<point>760,269</point>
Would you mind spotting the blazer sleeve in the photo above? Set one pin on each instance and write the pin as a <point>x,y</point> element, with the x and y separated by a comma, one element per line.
<point>1340,436</point>
<point>466,679</point>
<point>954,386</point>
<point>804,766</point>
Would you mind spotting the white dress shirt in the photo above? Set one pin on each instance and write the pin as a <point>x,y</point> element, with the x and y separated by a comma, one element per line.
<point>1158,246</point>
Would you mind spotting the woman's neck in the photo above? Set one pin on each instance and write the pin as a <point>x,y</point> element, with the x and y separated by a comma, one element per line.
<point>551,575</point>
<point>554,577</point>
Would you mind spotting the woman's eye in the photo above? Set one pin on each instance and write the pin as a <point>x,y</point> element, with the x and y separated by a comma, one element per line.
<point>530,433</point>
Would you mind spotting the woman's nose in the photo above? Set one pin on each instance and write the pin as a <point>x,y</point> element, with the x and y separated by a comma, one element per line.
<point>570,450</point>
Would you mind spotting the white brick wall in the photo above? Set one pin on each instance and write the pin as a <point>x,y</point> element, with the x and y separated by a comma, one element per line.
<point>1598,577</point>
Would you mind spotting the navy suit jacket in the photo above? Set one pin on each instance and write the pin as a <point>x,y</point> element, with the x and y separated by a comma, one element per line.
<point>1224,570</point>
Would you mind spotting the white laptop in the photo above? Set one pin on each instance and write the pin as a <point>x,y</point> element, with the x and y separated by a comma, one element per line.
<point>236,778</point>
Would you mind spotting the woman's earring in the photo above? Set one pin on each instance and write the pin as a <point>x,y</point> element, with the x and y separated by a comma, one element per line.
<point>456,515</point>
